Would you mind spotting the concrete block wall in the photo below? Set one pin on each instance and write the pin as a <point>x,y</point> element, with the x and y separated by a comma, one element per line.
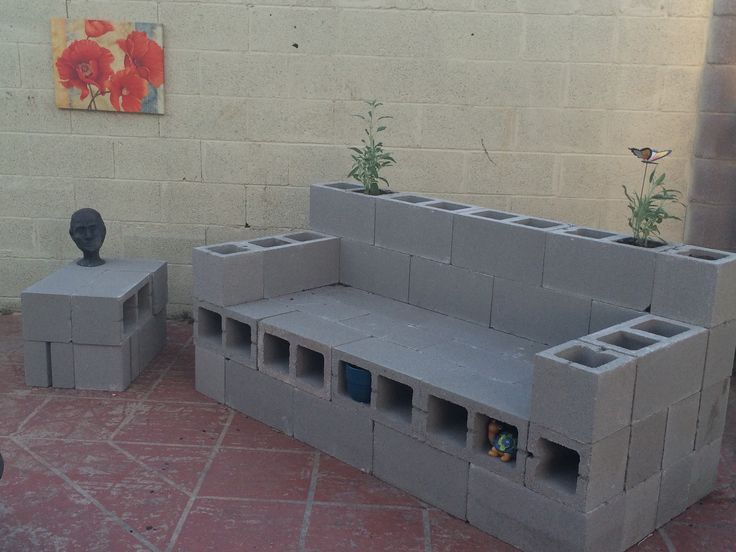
<point>94,328</point>
<point>259,102</point>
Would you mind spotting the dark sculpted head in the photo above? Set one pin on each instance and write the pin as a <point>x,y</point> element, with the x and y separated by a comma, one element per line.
<point>87,229</point>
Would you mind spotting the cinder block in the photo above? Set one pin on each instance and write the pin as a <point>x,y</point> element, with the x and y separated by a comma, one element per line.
<point>259,396</point>
<point>695,285</point>
<point>106,312</point>
<point>240,342</point>
<point>536,523</point>
<point>37,363</point>
<point>646,448</point>
<point>640,507</point>
<point>228,274</point>
<point>409,226</point>
<point>102,367</point>
<point>319,302</point>
<point>411,465</point>
<point>306,264</point>
<point>152,338</point>
<point>251,314</point>
<point>209,371</point>
<point>593,263</point>
<point>543,315</point>
<point>297,348</point>
<point>340,432</point>
<point>404,333</point>
<point>450,290</point>
<point>501,244</point>
<point>374,269</point>
<point>601,382</point>
<point>341,209</point>
<point>712,413</point>
<point>604,315</point>
<point>670,358</point>
<point>682,424</point>
<point>62,365</point>
<point>159,279</point>
<point>704,471</point>
<point>674,493</point>
<point>135,356</point>
<point>208,326</point>
<point>719,359</point>
<point>583,476</point>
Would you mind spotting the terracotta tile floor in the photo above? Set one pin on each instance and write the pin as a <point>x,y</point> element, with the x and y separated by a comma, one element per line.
<point>161,467</point>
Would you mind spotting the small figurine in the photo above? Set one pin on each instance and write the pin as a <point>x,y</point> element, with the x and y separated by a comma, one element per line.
<point>503,441</point>
<point>87,229</point>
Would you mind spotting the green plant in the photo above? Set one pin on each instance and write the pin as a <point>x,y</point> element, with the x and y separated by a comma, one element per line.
<point>648,209</point>
<point>369,159</point>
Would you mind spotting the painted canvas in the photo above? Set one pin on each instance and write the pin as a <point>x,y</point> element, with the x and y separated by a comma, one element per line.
<point>108,66</point>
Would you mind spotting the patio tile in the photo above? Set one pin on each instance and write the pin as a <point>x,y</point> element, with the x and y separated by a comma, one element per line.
<point>653,543</point>
<point>237,473</point>
<point>249,433</point>
<point>339,482</point>
<point>701,537</point>
<point>449,534</point>
<point>178,424</point>
<point>178,386</point>
<point>262,526</point>
<point>365,529</point>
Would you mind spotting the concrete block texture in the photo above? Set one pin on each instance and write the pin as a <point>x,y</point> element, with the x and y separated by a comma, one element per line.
<point>544,315</point>
<point>341,209</point>
<point>449,290</point>
<point>152,338</point>
<point>37,363</point>
<point>62,365</point>
<point>102,367</point>
<point>640,507</point>
<point>583,476</point>
<point>604,315</point>
<point>674,493</point>
<point>228,274</point>
<point>682,424</point>
<point>209,373</point>
<point>259,396</point>
<point>712,413</point>
<point>646,448</point>
<point>501,244</point>
<point>719,358</point>
<point>514,514</point>
<point>411,227</point>
<point>340,432</point>
<point>670,359</point>
<point>312,261</point>
<point>695,285</point>
<point>592,263</point>
<point>601,382</point>
<point>208,326</point>
<point>429,474</point>
<point>704,472</point>
<point>375,269</point>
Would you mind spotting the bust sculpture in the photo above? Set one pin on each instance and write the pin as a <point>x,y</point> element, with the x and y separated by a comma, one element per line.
<point>88,231</point>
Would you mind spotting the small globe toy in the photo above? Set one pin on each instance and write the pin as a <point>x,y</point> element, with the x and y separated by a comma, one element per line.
<point>505,443</point>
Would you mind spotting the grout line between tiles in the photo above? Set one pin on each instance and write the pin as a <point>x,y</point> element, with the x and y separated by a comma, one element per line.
<point>310,502</point>
<point>200,482</point>
<point>148,468</point>
<point>427,530</point>
<point>30,416</point>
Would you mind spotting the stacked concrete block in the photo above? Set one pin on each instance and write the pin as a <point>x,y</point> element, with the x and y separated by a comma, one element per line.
<point>451,313</point>
<point>95,327</point>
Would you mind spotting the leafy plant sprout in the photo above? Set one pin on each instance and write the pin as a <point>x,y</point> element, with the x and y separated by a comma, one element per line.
<point>648,207</point>
<point>369,159</point>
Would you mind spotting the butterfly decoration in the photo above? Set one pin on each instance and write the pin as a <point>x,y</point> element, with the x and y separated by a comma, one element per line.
<point>649,155</point>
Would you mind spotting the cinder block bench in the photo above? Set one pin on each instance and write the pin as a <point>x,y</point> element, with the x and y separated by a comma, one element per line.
<point>610,364</point>
<point>94,327</point>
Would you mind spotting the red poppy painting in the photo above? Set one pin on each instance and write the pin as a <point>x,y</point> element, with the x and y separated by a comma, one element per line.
<point>102,65</point>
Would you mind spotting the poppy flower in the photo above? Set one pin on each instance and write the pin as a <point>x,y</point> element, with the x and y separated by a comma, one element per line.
<point>127,90</point>
<point>145,55</point>
<point>97,27</point>
<point>82,63</point>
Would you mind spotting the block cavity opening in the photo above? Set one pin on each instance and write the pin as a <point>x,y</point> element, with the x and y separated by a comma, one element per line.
<point>558,466</point>
<point>448,420</point>
<point>238,337</point>
<point>585,356</point>
<point>354,382</point>
<point>209,326</point>
<point>447,206</point>
<point>275,353</point>
<point>310,367</point>
<point>269,242</point>
<point>413,199</point>
<point>144,301</point>
<point>344,186</point>
<point>304,236</point>
<point>626,340</point>
<point>494,215</point>
<point>702,254</point>
<point>536,223</point>
<point>130,313</point>
<point>590,233</point>
<point>394,398</point>
<point>661,328</point>
<point>481,441</point>
<point>227,249</point>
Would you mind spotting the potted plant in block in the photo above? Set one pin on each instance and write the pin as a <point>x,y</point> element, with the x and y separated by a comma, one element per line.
<point>648,207</point>
<point>370,158</point>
